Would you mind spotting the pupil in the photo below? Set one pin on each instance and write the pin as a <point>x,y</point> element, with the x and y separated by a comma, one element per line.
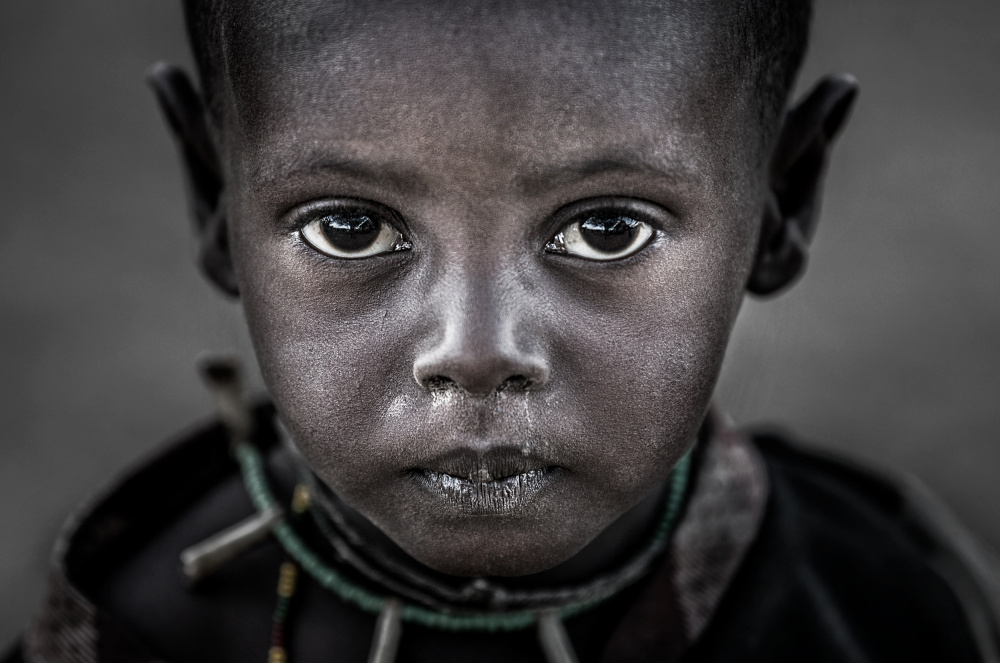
<point>609,234</point>
<point>350,233</point>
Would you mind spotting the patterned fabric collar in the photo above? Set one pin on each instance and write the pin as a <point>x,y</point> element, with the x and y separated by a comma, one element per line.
<point>722,519</point>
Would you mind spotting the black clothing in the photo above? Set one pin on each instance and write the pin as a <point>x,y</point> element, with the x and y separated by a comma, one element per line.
<point>846,566</point>
<point>843,570</point>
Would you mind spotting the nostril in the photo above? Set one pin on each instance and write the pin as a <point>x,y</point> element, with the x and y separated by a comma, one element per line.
<point>478,373</point>
<point>442,383</point>
<point>439,383</point>
<point>515,383</point>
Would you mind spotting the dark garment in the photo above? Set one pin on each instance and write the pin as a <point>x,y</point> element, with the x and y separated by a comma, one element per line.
<point>846,566</point>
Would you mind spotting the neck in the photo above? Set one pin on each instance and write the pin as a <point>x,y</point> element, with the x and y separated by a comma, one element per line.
<point>607,551</point>
<point>614,559</point>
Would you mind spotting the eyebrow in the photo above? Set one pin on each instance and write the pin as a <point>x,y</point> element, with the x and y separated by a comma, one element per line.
<point>545,178</point>
<point>532,181</point>
<point>404,179</point>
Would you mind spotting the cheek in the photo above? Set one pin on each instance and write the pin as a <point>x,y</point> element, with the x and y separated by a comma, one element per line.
<point>329,351</point>
<point>641,368</point>
<point>634,353</point>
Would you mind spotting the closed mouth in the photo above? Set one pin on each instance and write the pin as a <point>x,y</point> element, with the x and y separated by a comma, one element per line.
<point>476,496</point>
<point>497,481</point>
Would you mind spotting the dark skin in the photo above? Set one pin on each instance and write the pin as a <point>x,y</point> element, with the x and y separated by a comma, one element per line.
<point>482,336</point>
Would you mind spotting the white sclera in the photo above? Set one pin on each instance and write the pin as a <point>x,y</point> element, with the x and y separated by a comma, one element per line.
<point>389,239</point>
<point>576,245</point>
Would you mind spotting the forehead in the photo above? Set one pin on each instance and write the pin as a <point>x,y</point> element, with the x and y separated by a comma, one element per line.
<point>525,81</point>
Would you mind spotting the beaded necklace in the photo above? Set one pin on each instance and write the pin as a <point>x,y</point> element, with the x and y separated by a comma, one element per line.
<point>415,584</point>
<point>392,611</point>
<point>288,576</point>
<point>548,608</point>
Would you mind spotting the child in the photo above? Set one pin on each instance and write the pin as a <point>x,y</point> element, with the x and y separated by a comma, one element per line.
<point>490,255</point>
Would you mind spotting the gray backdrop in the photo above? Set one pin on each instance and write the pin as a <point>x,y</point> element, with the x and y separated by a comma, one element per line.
<point>888,352</point>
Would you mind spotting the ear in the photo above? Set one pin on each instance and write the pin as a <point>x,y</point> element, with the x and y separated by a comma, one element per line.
<point>798,165</point>
<point>188,121</point>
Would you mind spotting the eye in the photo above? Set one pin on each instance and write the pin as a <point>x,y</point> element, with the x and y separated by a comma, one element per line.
<point>602,235</point>
<point>352,232</point>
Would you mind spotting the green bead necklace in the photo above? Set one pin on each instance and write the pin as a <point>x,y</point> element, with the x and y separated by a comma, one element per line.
<point>222,375</point>
<point>254,478</point>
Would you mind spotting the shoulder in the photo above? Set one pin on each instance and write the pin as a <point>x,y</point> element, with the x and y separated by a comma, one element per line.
<point>852,565</point>
<point>116,590</point>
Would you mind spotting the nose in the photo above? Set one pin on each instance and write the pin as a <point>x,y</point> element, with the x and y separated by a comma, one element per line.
<point>484,342</point>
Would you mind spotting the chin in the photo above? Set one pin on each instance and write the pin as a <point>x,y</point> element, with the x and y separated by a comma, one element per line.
<point>493,547</point>
<point>501,561</point>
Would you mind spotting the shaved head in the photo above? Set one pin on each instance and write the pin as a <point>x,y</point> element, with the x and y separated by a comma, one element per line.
<point>750,47</point>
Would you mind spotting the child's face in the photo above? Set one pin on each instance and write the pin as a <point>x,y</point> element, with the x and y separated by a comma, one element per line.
<point>466,350</point>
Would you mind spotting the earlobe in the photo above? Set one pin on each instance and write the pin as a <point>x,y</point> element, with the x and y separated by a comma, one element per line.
<point>798,165</point>
<point>188,121</point>
<point>781,255</point>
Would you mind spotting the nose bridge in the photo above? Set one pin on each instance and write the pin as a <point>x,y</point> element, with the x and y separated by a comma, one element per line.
<point>483,341</point>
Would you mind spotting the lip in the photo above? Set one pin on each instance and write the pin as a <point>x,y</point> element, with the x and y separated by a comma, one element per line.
<point>494,482</point>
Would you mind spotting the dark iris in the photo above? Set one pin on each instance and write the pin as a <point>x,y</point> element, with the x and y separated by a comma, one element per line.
<point>609,234</point>
<point>350,232</point>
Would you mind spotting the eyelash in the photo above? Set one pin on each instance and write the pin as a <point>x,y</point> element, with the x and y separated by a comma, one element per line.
<point>620,226</point>
<point>645,218</point>
<point>380,227</point>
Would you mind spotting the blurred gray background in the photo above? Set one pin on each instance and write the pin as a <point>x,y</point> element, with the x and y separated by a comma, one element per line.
<point>887,352</point>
